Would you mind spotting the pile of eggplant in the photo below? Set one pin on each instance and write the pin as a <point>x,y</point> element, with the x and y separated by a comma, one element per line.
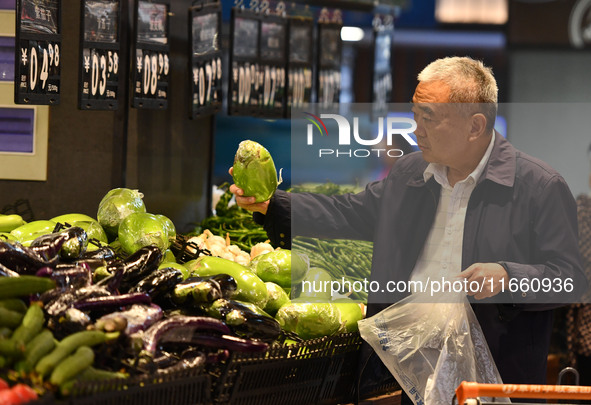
<point>156,317</point>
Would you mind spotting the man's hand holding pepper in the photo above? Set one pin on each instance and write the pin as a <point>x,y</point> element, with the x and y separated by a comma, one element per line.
<point>247,202</point>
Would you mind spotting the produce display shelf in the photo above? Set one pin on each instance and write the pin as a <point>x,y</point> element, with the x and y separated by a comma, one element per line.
<point>318,371</point>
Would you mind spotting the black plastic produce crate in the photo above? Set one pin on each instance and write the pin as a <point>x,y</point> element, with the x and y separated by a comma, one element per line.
<point>340,381</point>
<point>186,387</point>
<point>315,371</point>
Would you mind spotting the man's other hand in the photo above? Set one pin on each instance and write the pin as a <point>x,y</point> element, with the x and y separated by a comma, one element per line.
<point>247,202</point>
<point>490,276</point>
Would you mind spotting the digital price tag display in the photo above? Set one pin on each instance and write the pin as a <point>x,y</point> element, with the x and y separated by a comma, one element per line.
<point>150,58</point>
<point>206,58</point>
<point>383,29</point>
<point>37,52</point>
<point>99,55</point>
<point>329,64</point>
<point>244,83</point>
<point>272,66</point>
<point>300,63</point>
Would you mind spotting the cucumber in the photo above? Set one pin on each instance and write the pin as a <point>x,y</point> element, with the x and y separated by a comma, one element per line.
<point>67,346</point>
<point>12,287</point>
<point>7,347</point>
<point>30,327</point>
<point>14,304</point>
<point>10,319</point>
<point>72,365</point>
<point>41,345</point>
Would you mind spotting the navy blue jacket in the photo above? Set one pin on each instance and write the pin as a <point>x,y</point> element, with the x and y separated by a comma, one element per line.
<point>521,213</point>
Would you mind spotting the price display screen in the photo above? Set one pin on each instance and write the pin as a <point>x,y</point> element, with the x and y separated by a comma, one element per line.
<point>246,33</point>
<point>206,60</point>
<point>245,81</point>
<point>329,61</point>
<point>99,55</point>
<point>152,23</point>
<point>272,41</point>
<point>37,54</point>
<point>300,42</point>
<point>101,21</point>
<point>150,58</point>
<point>300,62</point>
<point>272,66</point>
<point>330,43</point>
<point>205,30</point>
<point>39,16</point>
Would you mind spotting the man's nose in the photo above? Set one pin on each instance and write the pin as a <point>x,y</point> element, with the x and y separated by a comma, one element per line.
<point>419,130</point>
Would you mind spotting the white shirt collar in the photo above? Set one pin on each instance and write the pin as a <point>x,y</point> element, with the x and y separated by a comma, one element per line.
<point>440,171</point>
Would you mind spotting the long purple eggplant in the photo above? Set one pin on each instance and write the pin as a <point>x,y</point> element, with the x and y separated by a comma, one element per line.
<point>57,301</point>
<point>245,319</point>
<point>180,328</point>
<point>229,342</point>
<point>139,265</point>
<point>49,245</point>
<point>191,359</point>
<point>132,320</point>
<point>6,272</point>
<point>113,282</point>
<point>72,243</point>
<point>75,276</point>
<point>159,283</point>
<point>112,301</point>
<point>23,259</point>
<point>103,253</point>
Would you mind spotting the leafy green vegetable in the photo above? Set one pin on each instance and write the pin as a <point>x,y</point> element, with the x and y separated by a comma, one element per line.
<point>254,171</point>
<point>310,320</point>
<point>142,229</point>
<point>117,204</point>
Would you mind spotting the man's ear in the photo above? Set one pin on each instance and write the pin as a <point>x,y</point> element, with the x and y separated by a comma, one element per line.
<point>477,126</point>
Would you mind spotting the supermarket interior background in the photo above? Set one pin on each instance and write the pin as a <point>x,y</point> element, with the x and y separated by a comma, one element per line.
<point>538,51</point>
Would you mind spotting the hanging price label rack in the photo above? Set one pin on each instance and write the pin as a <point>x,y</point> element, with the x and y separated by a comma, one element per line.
<point>37,52</point>
<point>300,63</point>
<point>99,55</point>
<point>244,83</point>
<point>205,21</point>
<point>273,64</point>
<point>383,33</point>
<point>150,57</point>
<point>329,58</point>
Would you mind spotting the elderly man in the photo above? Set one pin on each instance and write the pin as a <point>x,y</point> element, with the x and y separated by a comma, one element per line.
<point>467,205</point>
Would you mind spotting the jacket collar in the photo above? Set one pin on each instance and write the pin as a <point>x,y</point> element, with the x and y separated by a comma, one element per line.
<point>500,168</point>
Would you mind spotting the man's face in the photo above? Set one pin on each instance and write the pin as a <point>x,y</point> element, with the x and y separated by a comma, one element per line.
<point>442,129</point>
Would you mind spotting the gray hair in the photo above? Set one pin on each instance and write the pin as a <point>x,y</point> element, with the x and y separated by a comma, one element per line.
<point>469,81</point>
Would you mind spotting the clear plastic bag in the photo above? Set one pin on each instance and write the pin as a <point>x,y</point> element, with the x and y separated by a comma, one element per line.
<point>430,345</point>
